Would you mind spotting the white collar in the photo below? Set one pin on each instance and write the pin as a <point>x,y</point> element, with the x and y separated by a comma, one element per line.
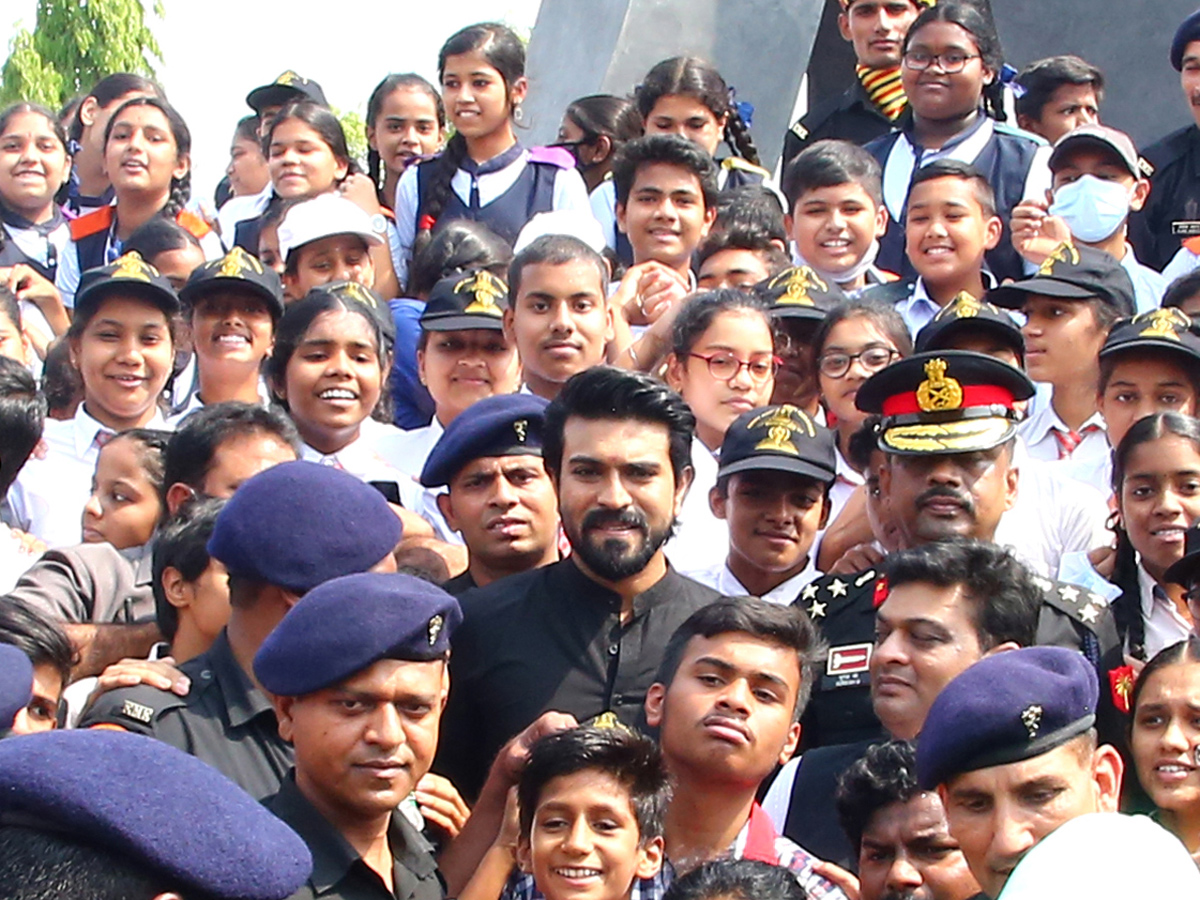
<point>902,160</point>
<point>1046,420</point>
<point>86,428</point>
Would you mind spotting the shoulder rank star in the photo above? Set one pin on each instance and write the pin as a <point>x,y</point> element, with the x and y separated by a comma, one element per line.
<point>837,588</point>
<point>809,592</point>
<point>816,609</point>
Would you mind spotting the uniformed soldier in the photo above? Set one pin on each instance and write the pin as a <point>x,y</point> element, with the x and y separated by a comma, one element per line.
<point>1172,212</point>
<point>498,495</point>
<point>358,675</point>
<point>110,816</point>
<point>949,422</point>
<point>870,107</point>
<point>285,531</point>
<point>1011,746</point>
<point>976,597</point>
<point>16,684</point>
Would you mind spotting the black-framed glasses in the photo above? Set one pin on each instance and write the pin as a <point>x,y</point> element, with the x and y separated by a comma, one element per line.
<point>726,366</point>
<point>836,365</point>
<point>951,63</point>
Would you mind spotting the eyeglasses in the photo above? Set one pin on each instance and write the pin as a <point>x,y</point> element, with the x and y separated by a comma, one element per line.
<point>835,365</point>
<point>951,63</point>
<point>726,366</point>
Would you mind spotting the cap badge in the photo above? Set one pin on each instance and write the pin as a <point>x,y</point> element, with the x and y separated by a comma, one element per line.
<point>435,628</point>
<point>1164,323</point>
<point>288,78</point>
<point>1031,718</point>
<point>521,427</point>
<point>781,423</point>
<point>799,282</point>
<point>237,262</point>
<point>487,289</point>
<point>606,719</point>
<point>937,393</point>
<point>131,265</point>
<point>1063,253</point>
<point>356,291</point>
<point>963,306</point>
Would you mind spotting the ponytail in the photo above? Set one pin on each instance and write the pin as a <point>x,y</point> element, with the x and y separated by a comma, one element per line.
<point>737,136</point>
<point>441,171</point>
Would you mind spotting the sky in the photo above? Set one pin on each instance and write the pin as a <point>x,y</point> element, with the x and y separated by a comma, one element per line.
<point>216,51</point>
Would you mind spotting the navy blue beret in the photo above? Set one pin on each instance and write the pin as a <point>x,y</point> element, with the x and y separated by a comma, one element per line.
<point>1007,707</point>
<point>1189,31</point>
<point>16,683</point>
<point>504,425</point>
<point>345,625</point>
<point>299,523</point>
<point>156,807</point>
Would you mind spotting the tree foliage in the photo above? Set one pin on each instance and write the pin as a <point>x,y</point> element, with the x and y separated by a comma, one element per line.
<point>74,44</point>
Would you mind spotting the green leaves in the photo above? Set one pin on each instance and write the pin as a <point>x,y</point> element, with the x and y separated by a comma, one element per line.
<point>74,44</point>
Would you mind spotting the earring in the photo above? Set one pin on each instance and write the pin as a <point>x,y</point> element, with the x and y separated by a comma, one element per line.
<point>1113,521</point>
<point>518,114</point>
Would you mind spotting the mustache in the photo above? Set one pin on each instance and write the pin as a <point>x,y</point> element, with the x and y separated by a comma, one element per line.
<point>963,500</point>
<point>628,518</point>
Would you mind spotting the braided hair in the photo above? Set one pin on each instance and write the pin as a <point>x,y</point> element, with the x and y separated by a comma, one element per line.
<point>385,88</point>
<point>181,188</point>
<point>505,53</point>
<point>693,77</point>
<point>978,22</point>
<point>1127,608</point>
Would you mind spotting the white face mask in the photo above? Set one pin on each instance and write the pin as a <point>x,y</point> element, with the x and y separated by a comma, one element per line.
<point>851,274</point>
<point>1093,209</point>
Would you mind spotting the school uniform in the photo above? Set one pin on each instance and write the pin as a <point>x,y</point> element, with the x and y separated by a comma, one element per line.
<point>917,308</point>
<point>236,210</point>
<point>1048,438</point>
<point>848,480</point>
<point>193,402</point>
<point>91,583</point>
<point>1014,162</point>
<point>1148,285</point>
<point>722,580</point>
<point>1184,261</point>
<point>412,405</point>
<point>503,193</point>
<point>48,497</point>
<point>1162,621</point>
<point>38,245</point>
<point>94,243</point>
<point>406,452</point>
<point>701,535</point>
<point>360,459</point>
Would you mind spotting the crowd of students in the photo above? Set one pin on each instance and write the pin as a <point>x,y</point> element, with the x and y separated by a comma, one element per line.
<point>608,520</point>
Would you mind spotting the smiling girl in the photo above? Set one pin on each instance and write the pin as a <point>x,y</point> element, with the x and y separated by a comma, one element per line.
<point>1156,479</point>
<point>147,155</point>
<point>121,342</point>
<point>34,166</point>
<point>406,122</point>
<point>484,174</point>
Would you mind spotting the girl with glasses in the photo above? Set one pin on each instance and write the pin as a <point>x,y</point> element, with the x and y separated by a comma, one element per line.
<point>856,340</point>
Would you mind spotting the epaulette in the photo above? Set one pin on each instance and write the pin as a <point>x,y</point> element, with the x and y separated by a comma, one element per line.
<point>192,223</point>
<point>133,709</point>
<point>94,222</point>
<point>1076,602</point>
<point>816,596</point>
<point>736,162</point>
<point>554,156</point>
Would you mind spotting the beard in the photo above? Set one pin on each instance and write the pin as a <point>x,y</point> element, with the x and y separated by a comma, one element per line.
<point>615,559</point>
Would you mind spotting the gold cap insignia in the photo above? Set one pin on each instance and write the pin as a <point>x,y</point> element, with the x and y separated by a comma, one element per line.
<point>1031,718</point>
<point>521,427</point>
<point>1063,253</point>
<point>435,628</point>
<point>799,281</point>
<point>781,423</point>
<point>131,265</point>
<point>237,262</point>
<point>608,719</point>
<point>356,291</point>
<point>288,78</point>
<point>937,393</point>
<point>963,306</point>
<point>487,289</point>
<point>1163,323</point>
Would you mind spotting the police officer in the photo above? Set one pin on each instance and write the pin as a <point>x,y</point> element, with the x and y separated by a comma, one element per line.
<point>870,107</point>
<point>358,674</point>
<point>498,495</point>
<point>948,429</point>
<point>1012,749</point>
<point>285,531</point>
<point>111,816</point>
<point>1172,211</point>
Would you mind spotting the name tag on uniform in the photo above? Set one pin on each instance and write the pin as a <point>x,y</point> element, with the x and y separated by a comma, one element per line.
<point>1186,228</point>
<point>137,711</point>
<point>847,666</point>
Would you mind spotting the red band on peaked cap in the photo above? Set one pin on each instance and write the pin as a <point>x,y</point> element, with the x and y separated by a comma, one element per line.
<point>973,395</point>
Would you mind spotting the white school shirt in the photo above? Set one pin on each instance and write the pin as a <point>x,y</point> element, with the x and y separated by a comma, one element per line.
<point>1038,432</point>
<point>701,536</point>
<point>239,209</point>
<point>1164,625</point>
<point>49,495</point>
<point>569,193</point>
<point>1148,285</point>
<point>407,451</point>
<point>720,578</point>
<point>194,402</point>
<point>1181,263</point>
<point>359,458</point>
<point>918,309</point>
